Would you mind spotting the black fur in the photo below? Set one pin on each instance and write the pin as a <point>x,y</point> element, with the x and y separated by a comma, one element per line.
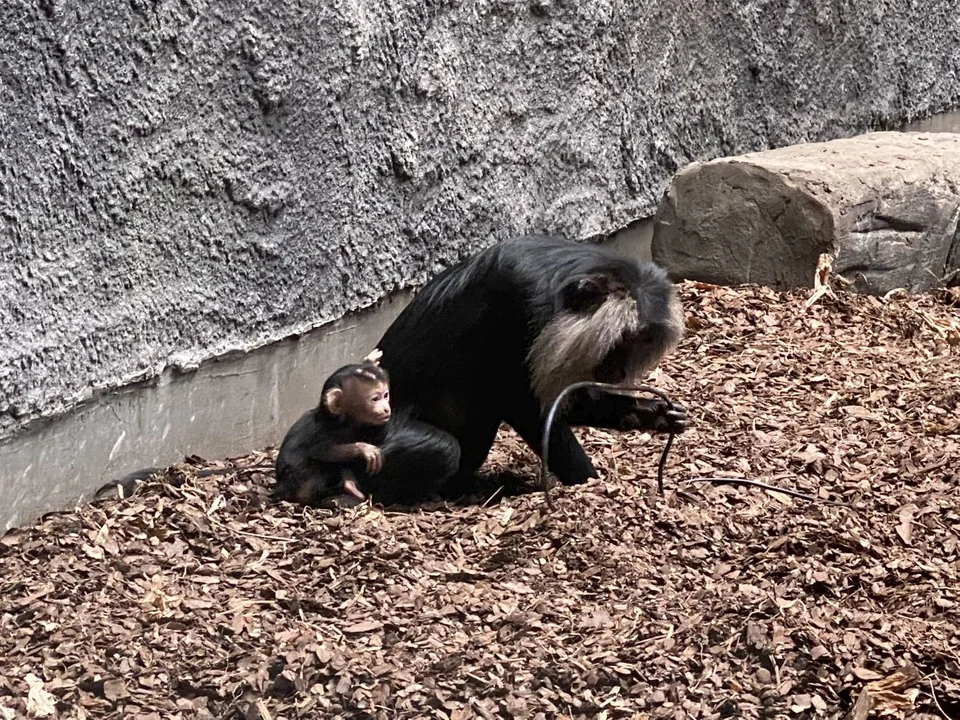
<point>418,460</point>
<point>458,354</point>
<point>302,472</point>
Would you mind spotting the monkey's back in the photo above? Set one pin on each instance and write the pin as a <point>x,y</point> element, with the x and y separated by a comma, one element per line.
<point>467,332</point>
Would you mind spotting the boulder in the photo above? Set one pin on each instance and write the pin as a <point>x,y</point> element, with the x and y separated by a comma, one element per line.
<point>885,205</point>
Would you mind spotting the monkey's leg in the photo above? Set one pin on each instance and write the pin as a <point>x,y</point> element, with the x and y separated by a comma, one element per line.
<point>418,459</point>
<point>306,484</point>
<point>567,458</point>
<point>284,487</point>
<point>593,408</point>
<point>475,445</point>
<point>306,491</point>
<point>350,493</point>
<point>476,439</point>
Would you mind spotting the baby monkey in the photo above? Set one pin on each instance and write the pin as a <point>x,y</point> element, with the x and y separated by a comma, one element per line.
<point>334,444</point>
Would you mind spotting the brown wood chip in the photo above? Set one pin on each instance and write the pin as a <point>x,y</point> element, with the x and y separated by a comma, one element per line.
<point>198,598</point>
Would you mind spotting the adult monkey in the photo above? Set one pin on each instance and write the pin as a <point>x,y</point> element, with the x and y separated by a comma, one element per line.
<point>496,337</point>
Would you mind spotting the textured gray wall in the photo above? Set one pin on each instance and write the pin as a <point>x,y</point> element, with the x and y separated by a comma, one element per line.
<point>179,177</point>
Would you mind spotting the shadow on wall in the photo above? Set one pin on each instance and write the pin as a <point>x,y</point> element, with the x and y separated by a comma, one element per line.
<point>947,122</point>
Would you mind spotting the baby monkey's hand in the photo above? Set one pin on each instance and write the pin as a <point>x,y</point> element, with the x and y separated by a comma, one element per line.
<point>371,454</point>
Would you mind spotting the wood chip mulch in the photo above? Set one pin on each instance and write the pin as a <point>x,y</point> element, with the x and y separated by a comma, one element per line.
<point>198,598</point>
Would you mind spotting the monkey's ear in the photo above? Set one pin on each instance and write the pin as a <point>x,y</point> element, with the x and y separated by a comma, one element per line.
<point>333,401</point>
<point>586,293</point>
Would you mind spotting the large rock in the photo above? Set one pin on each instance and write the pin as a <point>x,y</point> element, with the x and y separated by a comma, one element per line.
<point>885,205</point>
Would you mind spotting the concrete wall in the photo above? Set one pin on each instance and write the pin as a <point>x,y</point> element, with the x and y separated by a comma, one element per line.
<point>945,122</point>
<point>179,178</point>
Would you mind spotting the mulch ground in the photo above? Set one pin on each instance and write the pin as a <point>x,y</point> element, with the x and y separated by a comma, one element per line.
<point>198,598</point>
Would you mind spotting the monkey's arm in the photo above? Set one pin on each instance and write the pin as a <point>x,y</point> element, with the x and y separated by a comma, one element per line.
<point>592,408</point>
<point>338,452</point>
<point>344,452</point>
<point>567,457</point>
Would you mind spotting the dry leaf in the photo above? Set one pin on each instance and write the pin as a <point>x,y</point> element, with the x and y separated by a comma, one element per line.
<point>865,674</point>
<point>897,691</point>
<point>40,703</point>
<point>821,279</point>
<point>114,690</point>
<point>905,526</point>
<point>363,627</point>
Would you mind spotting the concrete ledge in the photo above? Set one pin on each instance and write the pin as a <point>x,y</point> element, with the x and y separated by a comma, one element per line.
<point>228,406</point>
<point>944,122</point>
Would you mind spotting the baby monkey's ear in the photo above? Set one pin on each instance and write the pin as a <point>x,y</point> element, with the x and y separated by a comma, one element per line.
<point>333,401</point>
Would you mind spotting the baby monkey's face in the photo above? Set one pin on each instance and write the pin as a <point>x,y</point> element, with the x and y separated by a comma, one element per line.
<point>373,403</point>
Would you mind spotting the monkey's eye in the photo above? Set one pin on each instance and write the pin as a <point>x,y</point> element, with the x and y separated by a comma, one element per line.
<point>582,295</point>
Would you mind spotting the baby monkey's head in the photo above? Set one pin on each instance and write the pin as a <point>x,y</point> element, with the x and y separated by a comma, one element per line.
<point>358,394</point>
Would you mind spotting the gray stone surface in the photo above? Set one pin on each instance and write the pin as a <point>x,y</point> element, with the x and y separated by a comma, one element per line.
<point>179,178</point>
<point>944,122</point>
<point>634,240</point>
<point>885,205</point>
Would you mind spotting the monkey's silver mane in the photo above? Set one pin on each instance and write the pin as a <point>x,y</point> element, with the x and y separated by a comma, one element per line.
<point>572,345</point>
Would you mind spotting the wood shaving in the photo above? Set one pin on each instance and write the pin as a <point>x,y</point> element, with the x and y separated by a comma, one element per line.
<point>198,598</point>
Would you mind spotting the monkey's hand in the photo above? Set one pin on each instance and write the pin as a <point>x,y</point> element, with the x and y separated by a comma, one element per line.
<point>371,455</point>
<point>654,415</point>
<point>374,357</point>
<point>669,418</point>
<point>625,412</point>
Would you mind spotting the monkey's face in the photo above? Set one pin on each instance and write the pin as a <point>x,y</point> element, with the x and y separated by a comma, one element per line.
<point>635,355</point>
<point>605,329</point>
<point>614,368</point>
<point>370,403</point>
